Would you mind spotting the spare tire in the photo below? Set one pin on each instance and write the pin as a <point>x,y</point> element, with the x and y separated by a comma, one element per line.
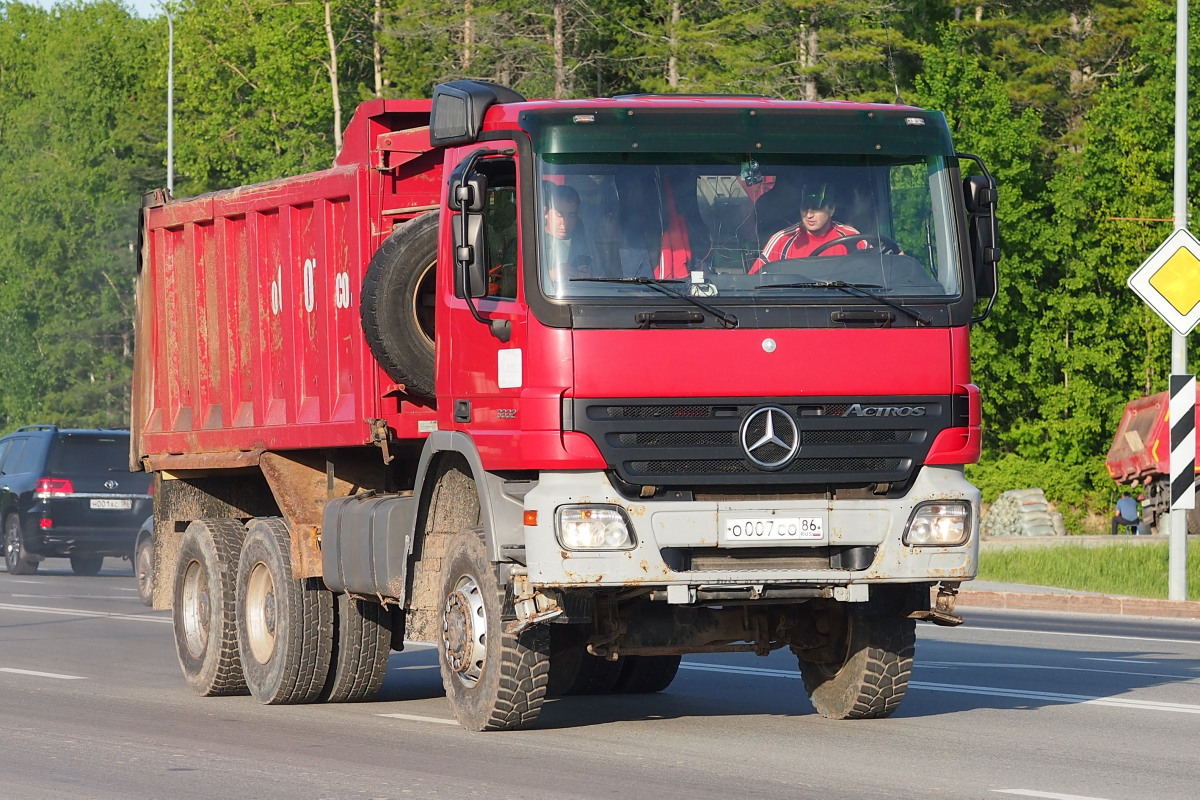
<point>398,300</point>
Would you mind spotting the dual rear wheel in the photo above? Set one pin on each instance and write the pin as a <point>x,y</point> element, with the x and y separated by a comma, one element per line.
<point>243,624</point>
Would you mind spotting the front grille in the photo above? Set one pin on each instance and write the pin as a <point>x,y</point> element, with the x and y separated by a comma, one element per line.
<point>711,559</point>
<point>698,443</point>
<point>799,467</point>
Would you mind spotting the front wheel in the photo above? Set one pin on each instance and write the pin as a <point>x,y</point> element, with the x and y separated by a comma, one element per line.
<point>867,674</point>
<point>16,560</point>
<point>494,680</point>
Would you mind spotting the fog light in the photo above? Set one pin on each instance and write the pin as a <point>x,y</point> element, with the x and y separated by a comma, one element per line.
<point>939,525</point>
<point>593,528</point>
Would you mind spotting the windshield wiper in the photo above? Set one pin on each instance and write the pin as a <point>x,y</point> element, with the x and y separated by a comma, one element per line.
<point>724,317</point>
<point>862,289</point>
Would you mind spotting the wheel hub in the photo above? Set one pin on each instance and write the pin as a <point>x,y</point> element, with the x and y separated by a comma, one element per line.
<point>457,633</point>
<point>464,631</point>
<point>196,609</point>
<point>262,613</point>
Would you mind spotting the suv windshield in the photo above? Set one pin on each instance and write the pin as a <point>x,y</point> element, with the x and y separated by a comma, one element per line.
<point>752,228</point>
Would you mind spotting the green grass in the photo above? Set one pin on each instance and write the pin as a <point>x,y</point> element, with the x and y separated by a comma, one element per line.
<point>1121,569</point>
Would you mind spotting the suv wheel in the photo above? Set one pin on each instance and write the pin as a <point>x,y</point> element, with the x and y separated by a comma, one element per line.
<point>143,570</point>
<point>87,565</point>
<point>15,558</point>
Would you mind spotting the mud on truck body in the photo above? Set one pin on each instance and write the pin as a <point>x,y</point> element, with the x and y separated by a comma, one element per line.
<point>378,410</point>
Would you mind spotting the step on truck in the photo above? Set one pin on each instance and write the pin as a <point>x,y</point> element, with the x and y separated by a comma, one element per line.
<point>519,379</point>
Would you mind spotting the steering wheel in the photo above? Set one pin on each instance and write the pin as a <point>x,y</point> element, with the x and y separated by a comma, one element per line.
<point>885,245</point>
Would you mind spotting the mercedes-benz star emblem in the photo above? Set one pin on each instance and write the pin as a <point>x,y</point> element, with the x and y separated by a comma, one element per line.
<point>110,485</point>
<point>770,437</point>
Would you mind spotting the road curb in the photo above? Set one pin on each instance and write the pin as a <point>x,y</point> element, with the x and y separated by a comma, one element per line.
<point>1084,604</point>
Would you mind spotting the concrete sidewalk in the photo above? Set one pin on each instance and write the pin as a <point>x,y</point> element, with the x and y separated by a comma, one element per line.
<point>985,594</point>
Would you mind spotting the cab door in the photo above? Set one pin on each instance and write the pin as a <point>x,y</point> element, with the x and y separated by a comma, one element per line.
<point>485,360</point>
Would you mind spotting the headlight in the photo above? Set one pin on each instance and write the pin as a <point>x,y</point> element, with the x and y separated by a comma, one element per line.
<point>593,528</point>
<point>939,525</point>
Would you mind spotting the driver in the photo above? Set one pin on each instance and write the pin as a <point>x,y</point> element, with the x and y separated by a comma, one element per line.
<point>815,228</point>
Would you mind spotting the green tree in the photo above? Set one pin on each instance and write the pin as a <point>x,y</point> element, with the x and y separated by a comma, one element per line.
<point>253,89</point>
<point>74,158</point>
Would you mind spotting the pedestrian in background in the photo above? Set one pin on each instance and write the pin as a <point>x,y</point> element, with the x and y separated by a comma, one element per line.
<point>1127,514</point>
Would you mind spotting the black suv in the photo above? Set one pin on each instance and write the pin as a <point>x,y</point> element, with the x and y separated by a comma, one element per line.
<point>67,493</point>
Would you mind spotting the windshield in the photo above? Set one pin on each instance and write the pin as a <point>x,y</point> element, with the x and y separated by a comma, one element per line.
<point>744,227</point>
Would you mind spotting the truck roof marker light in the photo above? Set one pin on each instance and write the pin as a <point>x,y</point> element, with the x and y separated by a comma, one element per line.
<point>530,519</point>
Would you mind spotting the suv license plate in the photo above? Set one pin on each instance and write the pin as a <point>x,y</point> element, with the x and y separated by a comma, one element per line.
<point>773,529</point>
<point>118,505</point>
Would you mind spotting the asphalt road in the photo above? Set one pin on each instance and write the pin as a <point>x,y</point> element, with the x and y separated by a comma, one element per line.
<point>1012,704</point>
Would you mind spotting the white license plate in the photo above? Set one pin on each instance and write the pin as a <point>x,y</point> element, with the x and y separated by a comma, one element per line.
<point>770,530</point>
<point>118,505</point>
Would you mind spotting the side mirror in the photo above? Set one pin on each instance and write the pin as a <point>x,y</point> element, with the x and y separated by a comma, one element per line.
<point>470,239</point>
<point>980,198</point>
<point>470,257</point>
<point>467,192</point>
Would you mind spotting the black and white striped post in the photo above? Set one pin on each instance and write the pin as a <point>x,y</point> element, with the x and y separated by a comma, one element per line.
<point>1182,411</point>
<point>1183,442</point>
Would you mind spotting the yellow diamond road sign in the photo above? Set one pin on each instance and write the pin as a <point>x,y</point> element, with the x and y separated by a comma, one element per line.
<point>1169,281</point>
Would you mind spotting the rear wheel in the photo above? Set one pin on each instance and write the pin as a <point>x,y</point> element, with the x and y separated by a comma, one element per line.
<point>362,642</point>
<point>573,670</point>
<point>87,565</point>
<point>867,673</point>
<point>494,680</point>
<point>646,674</point>
<point>204,607</point>
<point>16,560</point>
<point>143,570</point>
<point>285,624</point>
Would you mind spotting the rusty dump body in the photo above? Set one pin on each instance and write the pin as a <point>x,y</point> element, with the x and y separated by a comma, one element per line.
<point>249,337</point>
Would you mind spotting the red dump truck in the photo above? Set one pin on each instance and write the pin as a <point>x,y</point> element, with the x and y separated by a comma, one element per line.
<point>1140,458</point>
<point>513,378</point>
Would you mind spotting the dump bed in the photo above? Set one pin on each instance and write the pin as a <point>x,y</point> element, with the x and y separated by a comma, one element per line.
<point>248,324</point>
<point>1142,445</point>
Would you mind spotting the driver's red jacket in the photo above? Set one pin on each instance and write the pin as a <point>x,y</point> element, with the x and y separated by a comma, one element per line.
<point>795,242</point>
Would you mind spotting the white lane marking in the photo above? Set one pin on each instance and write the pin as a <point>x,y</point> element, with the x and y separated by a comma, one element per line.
<point>1052,668</point>
<point>43,674</point>
<point>992,691</point>
<point>1047,795</point>
<point>1084,635</point>
<point>75,612</point>
<point>1117,660</point>
<point>774,673</point>
<point>415,718</point>
<point>1056,697</point>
